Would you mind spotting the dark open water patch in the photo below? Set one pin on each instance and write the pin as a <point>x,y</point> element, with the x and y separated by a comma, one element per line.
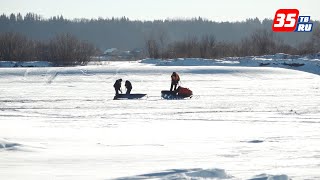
<point>255,141</point>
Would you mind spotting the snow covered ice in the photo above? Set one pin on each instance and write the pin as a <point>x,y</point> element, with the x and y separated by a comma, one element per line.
<point>242,123</point>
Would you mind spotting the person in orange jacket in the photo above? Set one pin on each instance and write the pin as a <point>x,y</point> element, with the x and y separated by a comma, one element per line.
<point>174,81</point>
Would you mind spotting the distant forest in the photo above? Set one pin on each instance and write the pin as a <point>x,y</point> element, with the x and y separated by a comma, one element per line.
<point>126,34</point>
<point>76,42</point>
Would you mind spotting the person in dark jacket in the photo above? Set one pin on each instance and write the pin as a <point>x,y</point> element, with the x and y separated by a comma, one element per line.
<point>117,86</point>
<point>174,81</point>
<point>128,86</point>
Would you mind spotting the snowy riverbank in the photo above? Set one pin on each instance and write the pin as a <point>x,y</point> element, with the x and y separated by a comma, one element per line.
<point>308,63</point>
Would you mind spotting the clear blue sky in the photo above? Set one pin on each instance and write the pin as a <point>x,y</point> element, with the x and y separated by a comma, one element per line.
<point>218,10</point>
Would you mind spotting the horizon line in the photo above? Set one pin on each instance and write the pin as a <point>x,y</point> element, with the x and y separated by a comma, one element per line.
<point>133,19</point>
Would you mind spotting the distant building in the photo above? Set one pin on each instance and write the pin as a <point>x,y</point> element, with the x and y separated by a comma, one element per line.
<point>114,54</point>
<point>110,52</point>
<point>137,53</point>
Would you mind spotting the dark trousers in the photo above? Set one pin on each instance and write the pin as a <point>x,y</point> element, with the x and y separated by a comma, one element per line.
<point>128,91</point>
<point>173,83</point>
<point>117,91</point>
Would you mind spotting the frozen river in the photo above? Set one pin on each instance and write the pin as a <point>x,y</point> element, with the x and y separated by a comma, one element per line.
<point>61,123</point>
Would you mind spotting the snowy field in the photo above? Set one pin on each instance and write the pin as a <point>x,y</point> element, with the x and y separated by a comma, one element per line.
<point>258,123</point>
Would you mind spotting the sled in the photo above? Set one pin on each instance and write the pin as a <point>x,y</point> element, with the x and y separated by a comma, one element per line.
<point>182,94</point>
<point>128,96</point>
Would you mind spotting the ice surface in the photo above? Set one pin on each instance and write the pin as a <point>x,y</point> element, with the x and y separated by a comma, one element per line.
<point>242,122</point>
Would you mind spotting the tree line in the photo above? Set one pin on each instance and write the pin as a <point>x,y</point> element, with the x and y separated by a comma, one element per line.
<point>260,42</point>
<point>66,42</point>
<point>62,50</point>
<point>126,34</point>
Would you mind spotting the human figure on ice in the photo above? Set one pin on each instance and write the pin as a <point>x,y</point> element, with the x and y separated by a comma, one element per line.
<point>117,86</point>
<point>174,81</point>
<point>128,86</point>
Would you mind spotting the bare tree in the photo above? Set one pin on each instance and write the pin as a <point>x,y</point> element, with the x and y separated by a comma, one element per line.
<point>262,42</point>
<point>163,38</point>
<point>152,48</point>
<point>315,40</point>
<point>192,45</point>
<point>66,49</point>
<point>207,45</point>
<point>15,47</point>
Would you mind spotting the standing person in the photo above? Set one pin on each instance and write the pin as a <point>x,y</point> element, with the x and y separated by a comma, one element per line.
<point>117,86</point>
<point>128,86</point>
<point>174,81</point>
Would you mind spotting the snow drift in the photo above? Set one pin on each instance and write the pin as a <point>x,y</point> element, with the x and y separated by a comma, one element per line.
<point>270,177</point>
<point>194,174</point>
<point>7,145</point>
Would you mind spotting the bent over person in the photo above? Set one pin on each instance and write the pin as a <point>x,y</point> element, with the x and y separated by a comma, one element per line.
<point>128,86</point>
<point>117,86</point>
